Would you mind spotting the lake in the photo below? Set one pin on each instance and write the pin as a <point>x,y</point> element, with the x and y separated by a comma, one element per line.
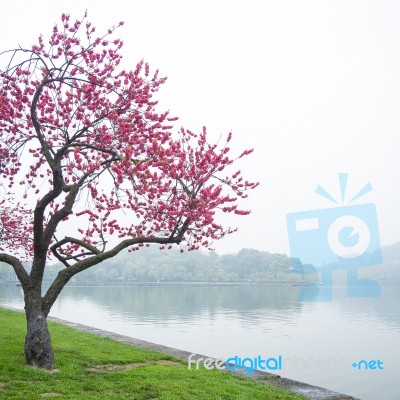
<point>318,341</point>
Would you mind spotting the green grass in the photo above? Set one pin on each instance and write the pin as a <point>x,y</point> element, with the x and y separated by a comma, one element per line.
<point>92,367</point>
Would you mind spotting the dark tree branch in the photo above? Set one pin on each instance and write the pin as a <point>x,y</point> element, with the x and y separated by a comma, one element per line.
<point>60,214</point>
<point>19,269</point>
<point>36,123</point>
<point>93,147</point>
<point>92,249</point>
<point>66,274</point>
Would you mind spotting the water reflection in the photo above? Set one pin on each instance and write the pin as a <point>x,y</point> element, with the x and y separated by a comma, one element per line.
<point>249,304</point>
<point>179,301</point>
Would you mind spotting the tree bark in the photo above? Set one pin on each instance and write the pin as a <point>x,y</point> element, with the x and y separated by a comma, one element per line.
<point>38,349</point>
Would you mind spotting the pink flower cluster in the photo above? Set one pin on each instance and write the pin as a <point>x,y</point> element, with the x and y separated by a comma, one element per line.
<point>98,149</point>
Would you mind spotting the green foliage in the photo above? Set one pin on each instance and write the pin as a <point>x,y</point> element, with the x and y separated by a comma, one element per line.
<point>248,265</point>
<point>91,367</point>
<point>153,265</point>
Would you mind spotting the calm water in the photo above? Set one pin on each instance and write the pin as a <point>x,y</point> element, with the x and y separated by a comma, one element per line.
<point>318,341</point>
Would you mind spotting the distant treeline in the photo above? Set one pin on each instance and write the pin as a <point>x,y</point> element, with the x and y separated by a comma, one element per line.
<point>248,265</point>
<point>150,264</point>
<point>154,265</point>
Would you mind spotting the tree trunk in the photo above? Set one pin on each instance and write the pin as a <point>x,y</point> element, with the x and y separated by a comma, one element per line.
<point>38,350</point>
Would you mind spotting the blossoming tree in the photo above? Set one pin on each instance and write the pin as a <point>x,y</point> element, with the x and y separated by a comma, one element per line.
<point>89,167</point>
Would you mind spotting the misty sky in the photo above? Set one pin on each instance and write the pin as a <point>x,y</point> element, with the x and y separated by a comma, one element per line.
<point>313,86</point>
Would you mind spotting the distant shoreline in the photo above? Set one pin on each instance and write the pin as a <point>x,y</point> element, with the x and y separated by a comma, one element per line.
<point>127,284</point>
<point>216,284</point>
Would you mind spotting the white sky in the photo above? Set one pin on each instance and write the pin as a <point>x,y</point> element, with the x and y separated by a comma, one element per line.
<point>313,86</point>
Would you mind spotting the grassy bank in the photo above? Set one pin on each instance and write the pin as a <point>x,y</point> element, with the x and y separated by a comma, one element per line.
<point>91,367</point>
